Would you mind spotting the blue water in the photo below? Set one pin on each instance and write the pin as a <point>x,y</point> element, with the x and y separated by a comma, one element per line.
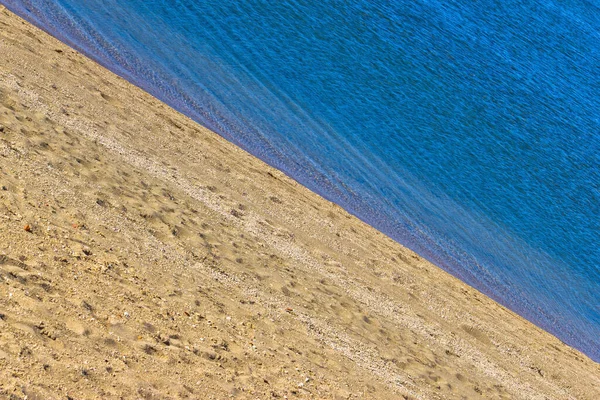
<point>465,130</point>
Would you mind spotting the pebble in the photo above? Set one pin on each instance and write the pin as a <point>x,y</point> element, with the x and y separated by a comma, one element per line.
<point>27,228</point>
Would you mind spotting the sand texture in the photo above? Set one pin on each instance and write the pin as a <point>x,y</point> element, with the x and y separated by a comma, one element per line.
<point>144,257</point>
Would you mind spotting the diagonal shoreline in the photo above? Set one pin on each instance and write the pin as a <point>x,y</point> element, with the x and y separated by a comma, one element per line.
<point>513,253</point>
<point>231,251</point>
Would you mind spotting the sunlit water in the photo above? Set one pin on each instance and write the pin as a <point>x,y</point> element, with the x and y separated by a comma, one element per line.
<point>466,130</point>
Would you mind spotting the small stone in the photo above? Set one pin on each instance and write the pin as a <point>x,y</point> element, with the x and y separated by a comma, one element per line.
<point>164,339</point>
<point>4,188</point>
<point>1,128</point>
<point>87,306</point>
<point>27,228</point>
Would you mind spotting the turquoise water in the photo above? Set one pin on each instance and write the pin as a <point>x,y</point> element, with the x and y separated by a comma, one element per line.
<point>465,130</point>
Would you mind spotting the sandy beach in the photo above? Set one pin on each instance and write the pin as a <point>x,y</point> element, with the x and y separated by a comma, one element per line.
<point>142,256</point>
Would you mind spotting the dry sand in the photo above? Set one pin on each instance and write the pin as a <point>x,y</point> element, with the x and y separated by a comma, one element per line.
<point>162,262</point>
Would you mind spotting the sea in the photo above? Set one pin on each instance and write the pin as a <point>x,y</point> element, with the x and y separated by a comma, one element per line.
<point>466,130</point>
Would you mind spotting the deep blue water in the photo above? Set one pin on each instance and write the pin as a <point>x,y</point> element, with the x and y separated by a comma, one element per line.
<point>466,130</point>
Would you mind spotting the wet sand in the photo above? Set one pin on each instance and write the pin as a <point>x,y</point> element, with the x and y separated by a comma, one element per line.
<point>143,256</point>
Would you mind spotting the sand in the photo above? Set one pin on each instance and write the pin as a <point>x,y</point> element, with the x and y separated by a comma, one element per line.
<point>142,256</point>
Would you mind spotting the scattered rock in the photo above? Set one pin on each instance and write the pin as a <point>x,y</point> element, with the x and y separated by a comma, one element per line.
<point>223,346</point>
<point>149,349</point>
<point>27,228</point>
<point>46,331</point>
<point>164,339</point>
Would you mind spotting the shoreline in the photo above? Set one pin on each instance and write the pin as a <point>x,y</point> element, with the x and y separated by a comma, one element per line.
<point>195,268</point>
<point>508,268</point>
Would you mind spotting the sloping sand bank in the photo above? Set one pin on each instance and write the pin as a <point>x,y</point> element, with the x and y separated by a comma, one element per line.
<point>142,256</point>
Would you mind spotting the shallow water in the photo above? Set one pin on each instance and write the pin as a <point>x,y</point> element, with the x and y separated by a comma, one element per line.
<point>467,131</point>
